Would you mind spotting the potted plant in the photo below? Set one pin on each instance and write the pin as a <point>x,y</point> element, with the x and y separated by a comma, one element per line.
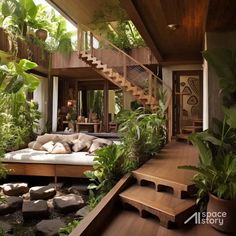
<point>216,171</point>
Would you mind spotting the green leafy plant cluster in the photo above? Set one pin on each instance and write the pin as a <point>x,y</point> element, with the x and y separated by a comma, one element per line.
<point>69,228</point>
<point>122,33</point>
<point>18,116</point>
<point>216,172</point>
<point>110,165</point>
<point>23,18</point>
<point>142,135</point>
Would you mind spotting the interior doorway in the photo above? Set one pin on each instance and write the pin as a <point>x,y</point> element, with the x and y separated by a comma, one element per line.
<point>187,100</point>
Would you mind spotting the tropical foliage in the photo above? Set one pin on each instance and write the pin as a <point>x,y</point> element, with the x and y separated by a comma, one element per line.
<point>142,135</point>
<point>122,33</point>
<point>110,165</point>
<point>23,18</point>
<point>18,116</point>
<point>217,153</point>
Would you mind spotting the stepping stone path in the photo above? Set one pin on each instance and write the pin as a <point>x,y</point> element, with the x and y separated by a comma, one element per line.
<point>10,205</point>
<point>49,227</point>
<point>68,203</point>
<point>82,212</point>
<point>35,209</point>
<point>15,189</point>
<point>42,192</point>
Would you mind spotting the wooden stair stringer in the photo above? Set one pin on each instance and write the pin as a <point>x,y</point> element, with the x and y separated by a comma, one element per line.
<point>170,210</point>
<point>117,79</point>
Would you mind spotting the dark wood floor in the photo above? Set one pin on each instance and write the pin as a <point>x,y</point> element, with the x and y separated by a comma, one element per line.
<point>129,223</point>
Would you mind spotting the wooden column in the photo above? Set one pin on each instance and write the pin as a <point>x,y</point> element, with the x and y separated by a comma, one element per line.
<point>84,103</point>
<point>106,105</point>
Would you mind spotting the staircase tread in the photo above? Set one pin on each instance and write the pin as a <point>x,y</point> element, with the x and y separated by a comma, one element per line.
<point>165,166</point>
<point>159,201</point>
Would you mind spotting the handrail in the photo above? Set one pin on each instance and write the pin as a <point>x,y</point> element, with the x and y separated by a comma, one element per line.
<point>132,70</point>
<point>131,58</point>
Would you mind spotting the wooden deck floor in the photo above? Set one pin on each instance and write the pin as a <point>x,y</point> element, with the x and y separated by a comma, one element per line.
<point>171,156</point>
<point>117,221</point>
<point>127,223</point>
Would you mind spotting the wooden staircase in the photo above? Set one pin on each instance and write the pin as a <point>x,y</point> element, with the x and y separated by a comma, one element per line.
<point>117,79</point>
<point>164,191</point>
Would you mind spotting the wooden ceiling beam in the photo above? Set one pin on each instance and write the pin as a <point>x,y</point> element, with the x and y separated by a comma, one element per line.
<point>135,17</point>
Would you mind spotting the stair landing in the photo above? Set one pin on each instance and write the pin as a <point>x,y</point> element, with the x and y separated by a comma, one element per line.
<point>163,171</point>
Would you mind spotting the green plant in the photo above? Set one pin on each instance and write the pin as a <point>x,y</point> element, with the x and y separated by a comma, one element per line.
<point>217,163</point>
<point>69,228</point>
<point>110,165</point>
<point>142,132</point>
<point>224,63</point>
<point>217,154</point>
<point>121,33</point>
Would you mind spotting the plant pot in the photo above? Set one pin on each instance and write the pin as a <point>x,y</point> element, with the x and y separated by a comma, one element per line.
<point>41,34</point>
<point>216,205</point>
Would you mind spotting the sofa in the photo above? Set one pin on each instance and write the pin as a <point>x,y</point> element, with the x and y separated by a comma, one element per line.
<point>56,155</point>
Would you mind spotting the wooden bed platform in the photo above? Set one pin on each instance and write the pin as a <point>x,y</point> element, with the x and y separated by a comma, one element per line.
<point>51,170</point>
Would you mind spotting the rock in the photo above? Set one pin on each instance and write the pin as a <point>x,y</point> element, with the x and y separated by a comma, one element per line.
<point>26,196</point>
<point>7,228</point>
<point>49,227</point>
<point>68,203</point>
<point>15,189</point>
<point>56,186</point>
<point>42,192</point>
<point>35,209</point>
<point>82,212</point>
<point>10,204</point>
<point>78,189</point>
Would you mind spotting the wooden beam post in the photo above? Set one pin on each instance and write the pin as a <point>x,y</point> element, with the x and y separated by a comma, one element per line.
<point>91,43</point>
<point>106,105</point>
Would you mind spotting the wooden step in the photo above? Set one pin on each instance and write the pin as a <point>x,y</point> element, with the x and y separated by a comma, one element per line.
<point>169,210</point>
<point>164,173</point>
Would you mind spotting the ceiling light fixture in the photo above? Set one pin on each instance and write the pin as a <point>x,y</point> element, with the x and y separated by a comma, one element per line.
<point>172,27</point>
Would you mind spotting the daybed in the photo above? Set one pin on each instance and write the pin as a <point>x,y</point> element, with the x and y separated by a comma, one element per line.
<point>41,162</point>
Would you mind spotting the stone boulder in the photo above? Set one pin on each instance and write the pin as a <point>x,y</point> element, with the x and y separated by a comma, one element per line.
<point>78,189</point>
<point>10,205</point>
<point>35,209</point>
<point>68,203</point>
<point>82,212</point>
<point>42,192</point>
<point>49,227</point>
<point>15,189</point>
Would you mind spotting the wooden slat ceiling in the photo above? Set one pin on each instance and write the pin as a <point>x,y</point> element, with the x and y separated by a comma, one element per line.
<point>185,43</point>
<point>151,17</point>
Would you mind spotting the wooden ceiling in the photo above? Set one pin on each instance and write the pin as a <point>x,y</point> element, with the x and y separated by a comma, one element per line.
<point>152,17</point>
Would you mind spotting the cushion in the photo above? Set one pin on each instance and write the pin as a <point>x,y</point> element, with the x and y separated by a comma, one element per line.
<point>78,145</point>
<point>31,144</point>
<point>41,140</point>
<point>48,146</point>
<point>61,148</point>
<point>68,138</point>
<point>86,137</point>
<point>95,146</point>
<point>103,140</point>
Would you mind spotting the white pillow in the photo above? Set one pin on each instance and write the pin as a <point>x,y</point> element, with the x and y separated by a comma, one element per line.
<point>48,146</point>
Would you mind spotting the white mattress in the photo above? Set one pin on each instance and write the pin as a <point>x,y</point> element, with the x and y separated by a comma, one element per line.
<point>32,156</point>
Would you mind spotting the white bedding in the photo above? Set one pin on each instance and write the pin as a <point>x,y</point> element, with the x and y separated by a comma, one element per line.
<point>29,155</point>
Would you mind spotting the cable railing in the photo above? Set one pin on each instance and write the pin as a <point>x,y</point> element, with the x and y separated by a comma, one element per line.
<point>119,61</point>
